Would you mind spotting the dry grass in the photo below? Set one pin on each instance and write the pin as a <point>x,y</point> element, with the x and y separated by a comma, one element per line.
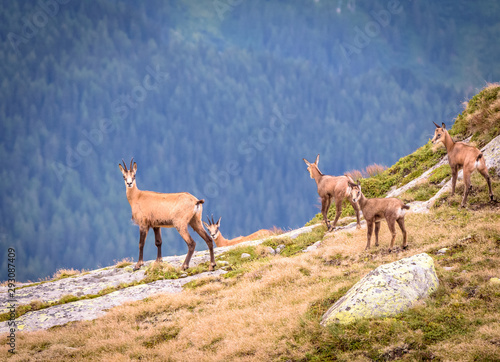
<point>124,263</point>
<point>64,273</point>
<point>369,171</point>
<point>272,311</point>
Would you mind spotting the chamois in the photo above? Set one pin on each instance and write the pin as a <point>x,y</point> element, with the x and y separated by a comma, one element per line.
<point>214,231</point>
<point>462,155</point>
<point>155,210</point>
<point>329,187</point>
<point>377,209</point>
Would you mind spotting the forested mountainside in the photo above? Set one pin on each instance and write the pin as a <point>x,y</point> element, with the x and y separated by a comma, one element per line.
<point>222,99</point>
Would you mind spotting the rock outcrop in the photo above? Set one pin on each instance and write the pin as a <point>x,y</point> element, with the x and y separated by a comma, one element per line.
<point>386,291</point>
<point>89,287</point>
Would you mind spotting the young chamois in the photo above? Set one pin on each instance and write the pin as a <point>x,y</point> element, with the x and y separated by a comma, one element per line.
<point>375,210</point>
<point>331,187</point>
<point>214,231</point>
<point>156,210</point>
<point>462,155</point>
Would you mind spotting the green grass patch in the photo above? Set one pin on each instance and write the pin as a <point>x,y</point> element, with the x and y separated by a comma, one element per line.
<point>294,246</point>
<point>421,192</point>
<point>439,174</point>
<point>237,264</point>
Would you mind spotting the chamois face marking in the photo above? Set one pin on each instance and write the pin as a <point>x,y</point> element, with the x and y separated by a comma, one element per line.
<point>128,175</point>
<point>213,227</point>
<point>355,192</point>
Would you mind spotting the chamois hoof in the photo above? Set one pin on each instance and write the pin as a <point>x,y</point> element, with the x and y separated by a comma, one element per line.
<point>138,266</point>
<point>405,247</point>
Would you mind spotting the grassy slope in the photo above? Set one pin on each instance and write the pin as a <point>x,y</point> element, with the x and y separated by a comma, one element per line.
<point>269,307</point>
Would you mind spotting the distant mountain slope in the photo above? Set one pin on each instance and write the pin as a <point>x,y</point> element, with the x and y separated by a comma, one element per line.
<point>220,102</point>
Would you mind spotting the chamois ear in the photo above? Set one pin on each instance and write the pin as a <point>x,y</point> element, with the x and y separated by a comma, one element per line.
<point>206,225</point>
<point>435,124</point>
<point>135,167</point>
<point>121,168</point>
<point>218,222</point>
<point>317,159</point>
<point>307,162</point>
<point>443,126</point>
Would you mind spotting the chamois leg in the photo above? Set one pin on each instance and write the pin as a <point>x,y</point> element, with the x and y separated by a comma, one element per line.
<point>454,175</point>
<point>401,223</point>
<point>392,228</point>
<point>143,233</point>
<point>184,233</point>
<point>356,209</point>
<point>377,229</point>
<point>338,212</point>
<point>483,170</point>
<point>467,187</point>
<point>197,226</point>
<point>158,243</point>
<point>325,206</point>
<point>369,230</point>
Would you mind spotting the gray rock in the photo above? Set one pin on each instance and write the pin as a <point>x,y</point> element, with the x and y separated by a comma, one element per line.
<point>312,247</point>
<point>386,291</point>
<point>280,248</point>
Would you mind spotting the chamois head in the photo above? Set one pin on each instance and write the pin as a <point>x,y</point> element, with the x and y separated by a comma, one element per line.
<point>439,133</point>
<point>355,191</point>
<point>213,227</point>
<point>129,175</point>
<point>312,166</point>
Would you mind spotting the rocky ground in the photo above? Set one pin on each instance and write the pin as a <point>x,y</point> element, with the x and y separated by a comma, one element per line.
<point>93,282</point>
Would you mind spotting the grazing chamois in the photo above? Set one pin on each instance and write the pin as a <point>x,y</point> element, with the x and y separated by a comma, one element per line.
<point>462,155</point>
<point>214,231</point>
<point>377,209</point>
<point>155,210</point>
<point>331,187</point>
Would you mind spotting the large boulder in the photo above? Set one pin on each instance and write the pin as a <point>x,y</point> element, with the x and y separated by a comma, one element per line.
<point>386,291</point>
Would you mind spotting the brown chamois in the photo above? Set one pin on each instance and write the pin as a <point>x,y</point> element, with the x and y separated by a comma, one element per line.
<point>331,187</point>
<point>156,210</point>
<point>462,155</point>
<point>377,209</point>
<point>214,231</point>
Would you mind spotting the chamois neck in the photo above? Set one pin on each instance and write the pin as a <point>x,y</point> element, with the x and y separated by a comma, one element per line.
<point>221,240</point>
<point>448,141</point>
<point>132,192</point>
<point>362,201</point>
<point>316,174</point>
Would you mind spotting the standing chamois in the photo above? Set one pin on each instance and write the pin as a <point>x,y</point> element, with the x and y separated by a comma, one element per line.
<point>462,155</point>
<point>155,210</point>
<point>331,187</point>
<point>375,210</point>
<point>214,231</point>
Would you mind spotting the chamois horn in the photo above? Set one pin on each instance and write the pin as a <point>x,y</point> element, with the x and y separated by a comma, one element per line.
<point>131,163</point>
<point>124,165</point>
<point>436,124</point>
